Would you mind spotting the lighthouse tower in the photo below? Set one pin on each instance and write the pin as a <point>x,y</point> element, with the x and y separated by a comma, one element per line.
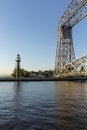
<point>18,59</point>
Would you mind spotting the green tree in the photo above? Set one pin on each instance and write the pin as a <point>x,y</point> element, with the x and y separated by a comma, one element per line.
<point>23,73</point>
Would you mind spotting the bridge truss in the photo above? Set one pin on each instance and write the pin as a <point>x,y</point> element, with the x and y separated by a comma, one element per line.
<point>75,68</point>
<point>65,54</point>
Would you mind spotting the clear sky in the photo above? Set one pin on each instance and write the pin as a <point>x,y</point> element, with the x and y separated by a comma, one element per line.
<point>29,27</point>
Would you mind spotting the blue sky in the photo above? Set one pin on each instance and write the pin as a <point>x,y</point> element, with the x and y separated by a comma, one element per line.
<point>29,27</point>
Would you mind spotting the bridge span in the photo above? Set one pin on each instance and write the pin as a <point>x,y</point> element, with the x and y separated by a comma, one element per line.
<point>75,68</point>
<point>65,63</point>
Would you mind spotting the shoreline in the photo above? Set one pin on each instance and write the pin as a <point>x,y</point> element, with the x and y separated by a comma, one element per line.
<point>79,78</point>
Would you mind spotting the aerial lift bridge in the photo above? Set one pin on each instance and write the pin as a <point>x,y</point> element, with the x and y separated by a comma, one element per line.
<point>65,54</point>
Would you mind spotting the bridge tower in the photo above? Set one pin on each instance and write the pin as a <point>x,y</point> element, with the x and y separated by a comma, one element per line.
<point>18,59</point>
<point>65,54</point>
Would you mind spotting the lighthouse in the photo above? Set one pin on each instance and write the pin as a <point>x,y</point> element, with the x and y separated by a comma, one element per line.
<point>18,60</point>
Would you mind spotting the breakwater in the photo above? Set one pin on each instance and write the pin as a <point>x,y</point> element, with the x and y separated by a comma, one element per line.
<point>46,79</point>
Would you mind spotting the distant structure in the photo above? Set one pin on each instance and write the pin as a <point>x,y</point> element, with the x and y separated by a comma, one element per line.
<point>18,59</point>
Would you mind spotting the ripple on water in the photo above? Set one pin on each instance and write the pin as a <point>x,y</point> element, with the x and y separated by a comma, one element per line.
<point>43,106</point>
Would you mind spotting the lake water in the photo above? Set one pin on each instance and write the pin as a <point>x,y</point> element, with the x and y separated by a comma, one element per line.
<point>43,106</point>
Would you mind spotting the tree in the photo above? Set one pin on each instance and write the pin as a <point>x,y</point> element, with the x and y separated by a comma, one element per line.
<point>23,73</point>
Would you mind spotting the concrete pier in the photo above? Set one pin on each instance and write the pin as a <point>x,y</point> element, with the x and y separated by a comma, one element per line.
<point>44,79</point>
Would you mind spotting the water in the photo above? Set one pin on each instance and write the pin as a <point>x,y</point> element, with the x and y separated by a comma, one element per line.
<point>43,106</point>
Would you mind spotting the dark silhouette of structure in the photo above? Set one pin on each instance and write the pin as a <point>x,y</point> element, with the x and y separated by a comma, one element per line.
<point>18,59</point>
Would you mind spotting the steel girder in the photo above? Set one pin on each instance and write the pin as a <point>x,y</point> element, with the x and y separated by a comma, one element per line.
<point>65,54</point>
<point>76,65</point>
<point>75,12</point>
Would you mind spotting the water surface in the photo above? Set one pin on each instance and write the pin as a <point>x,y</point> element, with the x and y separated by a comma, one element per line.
<point>43,105</point>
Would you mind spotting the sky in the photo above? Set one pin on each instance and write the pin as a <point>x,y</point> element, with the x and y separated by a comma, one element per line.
<point>29,27</point>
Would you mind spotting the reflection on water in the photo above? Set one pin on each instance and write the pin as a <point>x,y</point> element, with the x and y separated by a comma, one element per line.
<point>43,105</point>
<point>17,99</point>
<point>71,102</point>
